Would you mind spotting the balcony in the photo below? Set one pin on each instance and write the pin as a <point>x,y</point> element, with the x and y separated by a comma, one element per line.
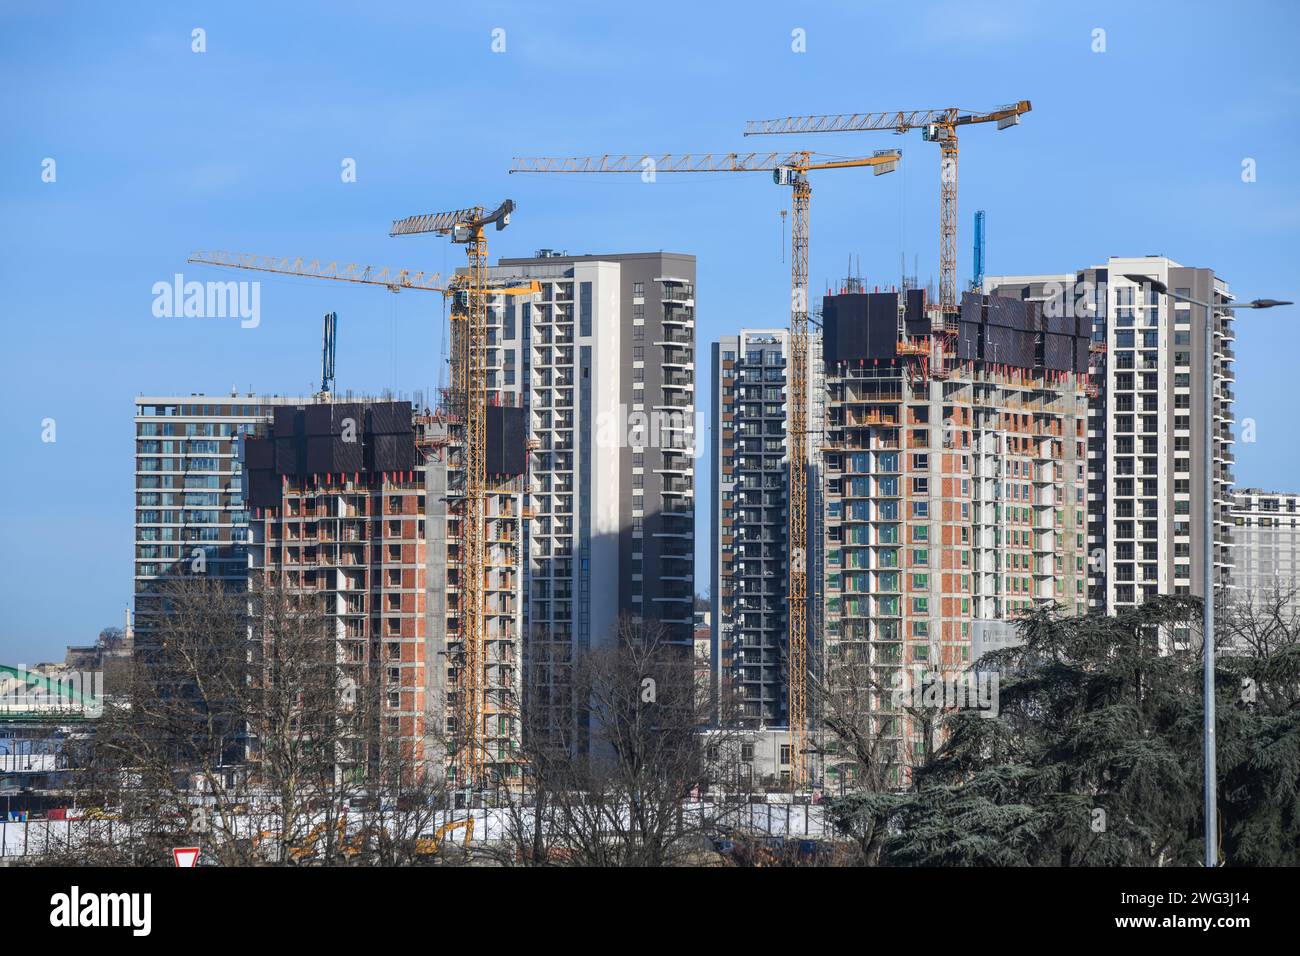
<point>680,338</point>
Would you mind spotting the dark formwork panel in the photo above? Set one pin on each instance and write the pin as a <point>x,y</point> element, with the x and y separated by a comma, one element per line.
<point>998,311</point>
<point>916,322</point>
<point>316,419</point>
<point>259,453</point>
<point>347,456</point>
<point>389,418</point>
<point>1081,356</point>
<point>288,455</point>
<point>330,454</point>
<point>1059,324</point>
<point>312,439</point>
<point>968,339</point>
<point>997,343</point>
<point>286,420</point>
<point>507,450</point>
<point>332,418</point>
<point>854,327</point>
<point>1058,352</point>
<point>349,416</point>
<point>1024,349</point>
<point>1020,333</point>
<point>319,455</point>
<point>1014,313</point>
<point>391,452</point>
<point>263,489</point>
<point>1007,346</point>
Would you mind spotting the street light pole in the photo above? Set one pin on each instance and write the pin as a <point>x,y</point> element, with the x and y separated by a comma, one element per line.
<point>1207,619</point>
<point>1208,741</point>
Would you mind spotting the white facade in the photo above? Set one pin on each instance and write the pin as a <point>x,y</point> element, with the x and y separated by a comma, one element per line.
<point>1266,545</point>
<point>565,368</point>
<point>1146,447</point>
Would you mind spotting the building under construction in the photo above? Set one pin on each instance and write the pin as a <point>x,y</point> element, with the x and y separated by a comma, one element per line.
<point>1147,433</point>
<point>953,475</point>
<point>551,496</point>
<point>361,503</point>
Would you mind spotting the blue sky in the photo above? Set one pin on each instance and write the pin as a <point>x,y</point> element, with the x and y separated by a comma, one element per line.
<point>161,151</point>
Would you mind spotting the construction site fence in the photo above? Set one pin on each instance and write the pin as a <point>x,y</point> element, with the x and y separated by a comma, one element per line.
<point>39,838</point>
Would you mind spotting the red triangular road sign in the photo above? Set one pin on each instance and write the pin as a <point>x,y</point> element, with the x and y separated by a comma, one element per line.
<point>185,855</point>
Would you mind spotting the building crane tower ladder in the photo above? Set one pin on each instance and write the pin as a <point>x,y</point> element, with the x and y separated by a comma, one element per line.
<point>469,390</point>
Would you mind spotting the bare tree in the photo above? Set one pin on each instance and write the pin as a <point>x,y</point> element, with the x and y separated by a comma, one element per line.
<point>873,741</point>
<point>1261,622</point>
<point>244,733</point>
<point>613,749</point>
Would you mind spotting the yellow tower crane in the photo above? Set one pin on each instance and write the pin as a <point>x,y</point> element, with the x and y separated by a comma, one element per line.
<point>392,279</point>
<point>937,126</point>
<point>788,169</point>
<point>469,388</point>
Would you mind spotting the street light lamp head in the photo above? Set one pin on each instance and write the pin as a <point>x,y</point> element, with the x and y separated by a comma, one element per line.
<point>1156,284</point>
<point>1264,303</point>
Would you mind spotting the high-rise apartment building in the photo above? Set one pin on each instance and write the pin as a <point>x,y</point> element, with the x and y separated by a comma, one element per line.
<point>189,510</point>
<point>1146,450</point>
<point>750,494</point>
<point>1265,544</point>
<point>380,543</point>
<point>953,480</point>
<point>360,503</point>
<point>603,359</point>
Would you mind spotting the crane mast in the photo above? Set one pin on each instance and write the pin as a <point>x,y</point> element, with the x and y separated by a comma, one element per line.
<point>469,390</point>
<point>947,139</point>
<point>473,373</point>
<point>470,319</point>
<point>797,692</point>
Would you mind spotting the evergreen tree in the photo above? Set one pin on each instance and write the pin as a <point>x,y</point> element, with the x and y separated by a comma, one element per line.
<point>1094,757</point>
